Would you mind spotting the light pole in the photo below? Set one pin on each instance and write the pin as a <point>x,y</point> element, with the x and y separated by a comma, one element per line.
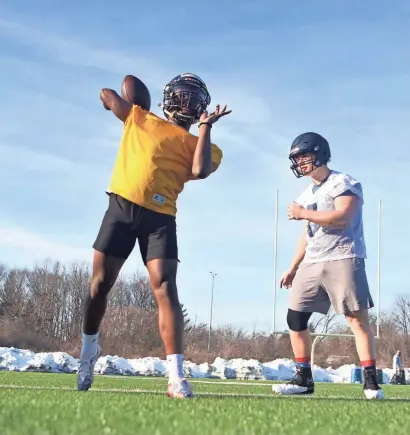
<point>275,261</point>
<point>212,303</point>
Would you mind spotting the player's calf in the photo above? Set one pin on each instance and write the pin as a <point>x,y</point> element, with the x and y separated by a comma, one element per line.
<point>366,349</point>
<point>105,272</point>
<point>171,319</point>
<point>162,274</point>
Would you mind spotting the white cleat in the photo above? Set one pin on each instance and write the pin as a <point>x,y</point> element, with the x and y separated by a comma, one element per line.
<point>180,390</point>
<point>85,374</point>
<point>373,394</point>
<point>288,389</point>
<point>302,383</point>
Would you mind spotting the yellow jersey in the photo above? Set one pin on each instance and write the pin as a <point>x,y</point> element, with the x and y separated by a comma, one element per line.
<point>154,161</point>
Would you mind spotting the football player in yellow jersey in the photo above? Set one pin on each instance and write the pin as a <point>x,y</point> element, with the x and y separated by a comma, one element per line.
<point>156,158</point>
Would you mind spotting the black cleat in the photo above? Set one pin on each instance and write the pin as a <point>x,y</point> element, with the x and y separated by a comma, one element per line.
<point>371,388</point>
<point>302,383</point>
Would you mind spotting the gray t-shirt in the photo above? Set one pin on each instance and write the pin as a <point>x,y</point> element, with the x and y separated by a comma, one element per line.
<point>324,244</point>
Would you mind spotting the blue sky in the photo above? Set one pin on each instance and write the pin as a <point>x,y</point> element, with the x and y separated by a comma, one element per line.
<point>339,68</point>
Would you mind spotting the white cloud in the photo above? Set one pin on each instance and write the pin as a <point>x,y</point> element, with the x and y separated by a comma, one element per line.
<point>72,51</point>
<point>38,246</point>
<point>25,165</point>
<point>19,247</point>
<point>240,136</point>
<point>67,148</point>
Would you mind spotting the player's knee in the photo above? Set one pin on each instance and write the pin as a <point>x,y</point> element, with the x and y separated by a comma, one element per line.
<point>163,281</point>
<point>166,289</point>
<point>101,285</point>
<point>298,321</point>
<point>358,321</point>
<point>105,272</point>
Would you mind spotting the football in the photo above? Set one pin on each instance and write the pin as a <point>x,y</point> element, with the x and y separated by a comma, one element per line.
<point>135,92</point>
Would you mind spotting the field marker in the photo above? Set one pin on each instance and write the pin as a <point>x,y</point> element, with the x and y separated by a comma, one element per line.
<point>208,394</point>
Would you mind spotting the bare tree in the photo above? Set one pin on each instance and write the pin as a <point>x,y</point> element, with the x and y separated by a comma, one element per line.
<point>323,324</point>
<point>42,309</point>
<point>401,318</point>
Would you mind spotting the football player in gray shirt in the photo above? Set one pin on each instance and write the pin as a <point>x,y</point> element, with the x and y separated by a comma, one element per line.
<point>328,268</point>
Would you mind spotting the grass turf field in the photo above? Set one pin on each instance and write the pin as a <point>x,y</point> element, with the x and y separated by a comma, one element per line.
<point>42,403</point>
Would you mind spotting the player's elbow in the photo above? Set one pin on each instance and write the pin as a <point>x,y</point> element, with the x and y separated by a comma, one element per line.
<point>343,223</point>
<point>105,96</point>
<point>338,224</point>
<point>341,219</point>
<point>200,174</point>
<point>345,213</point>
<point>201,171</point>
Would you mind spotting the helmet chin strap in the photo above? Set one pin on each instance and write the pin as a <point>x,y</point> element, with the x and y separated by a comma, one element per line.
<point>296,167</point>
<point>179,119</point>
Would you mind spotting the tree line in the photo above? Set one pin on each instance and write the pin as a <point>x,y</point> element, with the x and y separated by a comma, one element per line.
<point>41,309</point>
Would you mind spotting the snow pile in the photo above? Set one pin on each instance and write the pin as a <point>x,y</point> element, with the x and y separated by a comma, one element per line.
<point>115,365</point>
<point>281,369</point>
<point>25,361</point>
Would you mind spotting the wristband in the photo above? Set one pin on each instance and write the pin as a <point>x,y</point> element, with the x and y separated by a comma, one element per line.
<point>205,123</point>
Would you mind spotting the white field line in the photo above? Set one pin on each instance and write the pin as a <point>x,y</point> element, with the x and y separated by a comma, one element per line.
<point>255,384</point>
<point>217,381</point>
<point>162,393</point>
<point>195,381</point>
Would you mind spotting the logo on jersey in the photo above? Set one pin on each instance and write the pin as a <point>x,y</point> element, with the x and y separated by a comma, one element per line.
<point>160,199</point>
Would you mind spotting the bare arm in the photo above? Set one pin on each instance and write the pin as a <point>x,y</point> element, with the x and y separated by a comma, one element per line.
<point>346,207</point>
<point>202,162</point>
<point>288,276</point>
<point>300,251</point>
<point>112,101</point>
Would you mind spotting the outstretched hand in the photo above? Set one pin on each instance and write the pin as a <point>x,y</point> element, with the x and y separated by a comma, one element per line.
<point>214,116</point>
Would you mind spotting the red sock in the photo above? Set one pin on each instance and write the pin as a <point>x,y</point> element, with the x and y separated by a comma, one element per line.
<point>303,362</point>
<point>368,363</point>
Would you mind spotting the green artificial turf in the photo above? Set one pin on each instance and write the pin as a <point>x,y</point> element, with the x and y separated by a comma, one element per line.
<point>45,404</point>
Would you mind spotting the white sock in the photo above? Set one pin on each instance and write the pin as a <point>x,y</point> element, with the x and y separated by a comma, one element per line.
<point>90,345</point>
<point>175,367</point>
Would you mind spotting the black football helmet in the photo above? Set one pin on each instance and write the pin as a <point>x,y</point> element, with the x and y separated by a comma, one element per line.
<point>309,143</point>
<point>185,99</point>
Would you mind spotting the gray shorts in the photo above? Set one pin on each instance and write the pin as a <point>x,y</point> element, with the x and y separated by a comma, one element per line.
<point>338,283</point>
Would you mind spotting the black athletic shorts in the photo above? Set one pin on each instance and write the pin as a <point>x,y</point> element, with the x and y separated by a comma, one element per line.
<point>125,222</point>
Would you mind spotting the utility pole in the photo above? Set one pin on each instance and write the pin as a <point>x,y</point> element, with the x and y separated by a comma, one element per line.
<point>212,303</point>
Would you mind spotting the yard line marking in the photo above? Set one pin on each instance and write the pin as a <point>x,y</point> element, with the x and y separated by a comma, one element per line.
<point>199,394</point>
<point>256,384</point>
<point>213,381</point>
<point>196,381</point>
<point>216,381</point>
